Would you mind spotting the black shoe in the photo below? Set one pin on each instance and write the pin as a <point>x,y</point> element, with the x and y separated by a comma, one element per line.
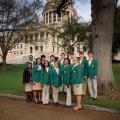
<point>56,104</point>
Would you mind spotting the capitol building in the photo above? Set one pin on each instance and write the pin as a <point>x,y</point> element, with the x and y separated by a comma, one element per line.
<point>40,41</point>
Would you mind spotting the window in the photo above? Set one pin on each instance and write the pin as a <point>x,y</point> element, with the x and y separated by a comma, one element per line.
<point>41,48</point>
<point>31,50</point>
<point>42,35</point>
<point>21,46</point>
<point>59,17</point>
<point>46,35</point>
<point>21,53</point>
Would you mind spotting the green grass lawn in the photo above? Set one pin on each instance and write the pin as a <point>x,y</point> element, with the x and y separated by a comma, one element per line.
<point>11,82</point>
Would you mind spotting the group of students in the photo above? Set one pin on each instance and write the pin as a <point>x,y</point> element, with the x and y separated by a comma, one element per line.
<point>42,76</point>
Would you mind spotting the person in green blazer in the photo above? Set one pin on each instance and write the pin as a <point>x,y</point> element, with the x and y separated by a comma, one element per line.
<point>46,82</point>
<point>76,81</point>
<point>66,73</point>
<point>52,60</point>
<point>29,61</point>
<point>83,65</point>
<point>56,82</point>
<point>92,74</point>
<point>36,77</point>
<point>61,64</point>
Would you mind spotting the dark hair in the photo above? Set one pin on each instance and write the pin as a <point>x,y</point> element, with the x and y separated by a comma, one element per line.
<point>81,53</point>
<point>67,60</point>
<point>37,59</point>
<point>90,52</point>
<point>43,56</point>
<point>28,64</point>
<point>63,53</point>
<point>52,56</point>
<point>30,55</point>
<point>44,64</point>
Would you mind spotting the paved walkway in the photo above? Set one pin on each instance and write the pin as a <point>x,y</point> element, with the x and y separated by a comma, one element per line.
<point>16,109</point>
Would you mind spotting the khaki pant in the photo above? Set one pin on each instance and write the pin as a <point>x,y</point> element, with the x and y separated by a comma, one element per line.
<point>84,87</point>
<point>45,94</point>
<point>68,95</point>
<point>55,93</point>
<point>92,86</point>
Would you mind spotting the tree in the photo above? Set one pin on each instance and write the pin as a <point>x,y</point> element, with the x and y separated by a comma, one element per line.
<point>13,14</point>
<point>116,35</point>
<point>69,34</point>
<point>102,33</point>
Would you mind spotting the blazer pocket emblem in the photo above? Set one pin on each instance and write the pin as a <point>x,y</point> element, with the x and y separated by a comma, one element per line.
<point>92,66</point>
<point>74,71</point>
<point>82,65</point>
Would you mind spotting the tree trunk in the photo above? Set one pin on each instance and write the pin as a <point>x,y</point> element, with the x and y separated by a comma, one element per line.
<point>102,30</point>
<point>4,61</point>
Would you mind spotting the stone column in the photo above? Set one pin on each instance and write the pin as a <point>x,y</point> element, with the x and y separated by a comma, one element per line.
<point>39,37</point>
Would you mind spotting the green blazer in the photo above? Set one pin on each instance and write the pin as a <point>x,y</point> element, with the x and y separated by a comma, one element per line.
<point>76,75</point>
<point>51,65</point>
<point>26,65</point>
<point>36,74</point>
<point>92,70</point>
<point>45,76</point>
<point>60,64</point>
<point>66,73</point>
<point>83,66</point>
<point>55,78</point>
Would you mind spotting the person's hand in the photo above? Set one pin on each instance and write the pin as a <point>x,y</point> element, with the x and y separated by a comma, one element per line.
<point>95,77</point>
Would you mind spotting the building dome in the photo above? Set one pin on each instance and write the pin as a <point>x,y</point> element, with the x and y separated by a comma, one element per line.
<point>50,15</point>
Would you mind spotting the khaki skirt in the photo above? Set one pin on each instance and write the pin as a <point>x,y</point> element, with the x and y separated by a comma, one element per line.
<point>28,87</point>
<point>37,86</point>
<point>78,89</point>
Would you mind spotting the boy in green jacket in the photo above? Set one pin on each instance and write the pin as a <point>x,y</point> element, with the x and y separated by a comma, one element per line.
<point>56,82</point>
<point>66,74</point>
<point>92,73</point>
<point>76,81</point>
